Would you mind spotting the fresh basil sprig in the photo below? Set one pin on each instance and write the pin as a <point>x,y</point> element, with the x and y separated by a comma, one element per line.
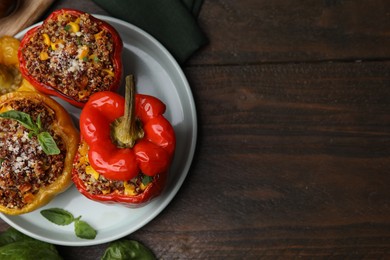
<point>46,141</point>
<point>63,217</point>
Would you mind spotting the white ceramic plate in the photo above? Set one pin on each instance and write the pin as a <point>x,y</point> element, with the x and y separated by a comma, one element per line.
<point>157,74</point>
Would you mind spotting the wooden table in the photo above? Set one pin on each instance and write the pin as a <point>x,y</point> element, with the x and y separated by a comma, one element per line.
<point>293,153</point>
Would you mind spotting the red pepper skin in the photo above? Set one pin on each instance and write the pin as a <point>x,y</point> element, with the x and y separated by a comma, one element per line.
<point>151,157</point>
<point>49,90</point>
<point>152,154</point>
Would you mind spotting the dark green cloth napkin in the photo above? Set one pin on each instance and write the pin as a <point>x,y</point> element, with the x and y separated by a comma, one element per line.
<point>193,6</point>
<point>171,22</point>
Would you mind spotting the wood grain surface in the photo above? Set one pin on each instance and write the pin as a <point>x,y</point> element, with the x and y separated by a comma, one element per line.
<point>26,13</point>
<point>293,153</point>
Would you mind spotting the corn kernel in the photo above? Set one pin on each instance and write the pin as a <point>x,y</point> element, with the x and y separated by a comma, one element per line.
<point>98,35</point>
<point>83,149</point>
<point>109,72</point>
<point>83,52</point>
<point>91,171</point>
<point>55,45</point>
<point>129,188</point>
<point>94,58</point>
<point>43,55</point>
<point>73,26</point>
<point>46,39</point>
<point>82,161</point>
<point>63,17</point>
<point>142,186</point>
<point>83,93</point>
<point>106,191</point>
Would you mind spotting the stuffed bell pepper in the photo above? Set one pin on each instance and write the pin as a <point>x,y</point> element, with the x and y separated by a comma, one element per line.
<point>38,143</point>
<point>72,55</point>
<point>126,148</point>
<point>10,77</point>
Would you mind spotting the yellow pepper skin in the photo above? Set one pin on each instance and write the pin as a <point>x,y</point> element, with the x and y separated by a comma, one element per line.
<point>9,50</point>
<point>62,126</point>
<point>10,77</point>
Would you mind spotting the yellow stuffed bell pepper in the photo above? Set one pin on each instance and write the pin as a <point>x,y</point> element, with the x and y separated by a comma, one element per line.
<point>38,142</point>
<point>10,77</point>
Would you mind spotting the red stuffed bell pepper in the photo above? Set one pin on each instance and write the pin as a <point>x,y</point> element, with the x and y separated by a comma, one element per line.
<point>72,55</point>
<point>126,148</point>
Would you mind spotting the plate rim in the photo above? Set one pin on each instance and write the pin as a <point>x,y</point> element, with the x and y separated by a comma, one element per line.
<point>183,175</point>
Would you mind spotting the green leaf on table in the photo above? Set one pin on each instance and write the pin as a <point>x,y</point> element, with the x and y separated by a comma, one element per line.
<point>127,249</point>
<point>58,216</point>
<point>14,245</point>
<point>12,235</point>
<point>29,249</point>
<point>84,230</point>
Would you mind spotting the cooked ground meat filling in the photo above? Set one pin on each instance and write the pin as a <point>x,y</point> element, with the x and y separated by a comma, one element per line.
<point>97,184</point>
<point>25,168</point>
<point>73,55</point>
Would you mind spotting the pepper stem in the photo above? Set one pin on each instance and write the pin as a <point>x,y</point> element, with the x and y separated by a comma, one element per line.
<point>126,130</point>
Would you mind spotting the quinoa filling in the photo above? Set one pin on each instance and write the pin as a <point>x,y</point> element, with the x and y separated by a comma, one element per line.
<point>25,169</point>
<point>72,55</point>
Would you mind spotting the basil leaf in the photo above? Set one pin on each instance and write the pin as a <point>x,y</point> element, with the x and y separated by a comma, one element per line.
<point>146,179</point>
<point>23,118</point>
<point>84,230</point>
<point>39,122</point>
<point>58,216</point>
<point>29,249</point>
<point>127,249</point>
<point>16,246</point>
<point>48,144</point>
<point>12,235</point>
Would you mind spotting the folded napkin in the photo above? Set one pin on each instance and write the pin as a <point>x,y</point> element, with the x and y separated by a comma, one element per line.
<point>172,22</point>
<point>193,6</point>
